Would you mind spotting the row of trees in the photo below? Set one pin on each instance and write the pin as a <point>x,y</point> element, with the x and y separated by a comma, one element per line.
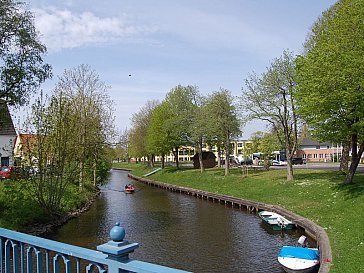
<point>184,118</point>
<point>321,89</point>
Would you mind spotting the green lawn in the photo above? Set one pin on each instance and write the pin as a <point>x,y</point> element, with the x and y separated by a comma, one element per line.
<point>317,195</point>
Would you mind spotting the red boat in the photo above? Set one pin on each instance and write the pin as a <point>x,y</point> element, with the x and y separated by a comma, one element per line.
<point>129,188</point>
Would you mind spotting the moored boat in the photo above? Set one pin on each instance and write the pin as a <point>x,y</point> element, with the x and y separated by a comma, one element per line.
<point>275,220</point>
<point>299,259</point>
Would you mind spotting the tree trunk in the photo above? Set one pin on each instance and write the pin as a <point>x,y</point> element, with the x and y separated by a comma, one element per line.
<point>290,176</point>
<point>202,169</point>
<point>218,157</point>
<point>95,177</point>
<point>176,157</point>
<point>344,161</point>
<point>162,162</point>
<point>151,161</point>
<point>355,159</point>
<point>82,174</point>
<point>227,154</point>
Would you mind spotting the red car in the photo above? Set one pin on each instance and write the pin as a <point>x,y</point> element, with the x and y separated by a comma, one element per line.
<point>6,172</point>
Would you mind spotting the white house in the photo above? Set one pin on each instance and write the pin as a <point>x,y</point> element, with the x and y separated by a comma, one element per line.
<point>7,135</point>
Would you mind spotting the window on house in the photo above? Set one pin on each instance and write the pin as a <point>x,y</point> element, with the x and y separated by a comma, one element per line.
<point>240,144</point>
<point>315,156</point>
<point>321,156</point>
<point>317,147</point>
<point>5,161</point>
<point>309,156</point>
<point>304,156</point>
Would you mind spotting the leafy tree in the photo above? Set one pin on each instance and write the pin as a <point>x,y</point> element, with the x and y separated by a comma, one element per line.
<point>182,102</point>
<point>330,81</point>
<point>159,137</point>
<point>121,150</point>
<point>269,97</point>
<point>51,152</point>
<point>138,132</point>
<point>92,108</point>
<point>22,68</point>
<point>223,120</point>
<point>265,143</point>
<point>200,128</point>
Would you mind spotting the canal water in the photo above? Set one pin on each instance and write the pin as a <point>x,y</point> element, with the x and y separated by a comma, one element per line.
<point>178,230</point>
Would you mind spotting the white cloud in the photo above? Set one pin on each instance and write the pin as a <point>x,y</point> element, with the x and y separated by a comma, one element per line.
<point>64,29</point>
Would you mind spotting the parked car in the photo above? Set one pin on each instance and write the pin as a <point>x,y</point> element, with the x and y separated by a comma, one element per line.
<point>6,172</point>
<point>278,163</point>
<point>246,161</point>
<point>297,160</point>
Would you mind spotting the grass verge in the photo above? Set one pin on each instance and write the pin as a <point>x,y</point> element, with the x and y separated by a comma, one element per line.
<point>316,195</point>
<point>20,211</point>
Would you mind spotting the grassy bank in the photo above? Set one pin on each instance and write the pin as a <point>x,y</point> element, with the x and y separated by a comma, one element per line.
<point>317,195</point>
<point>19,210</point>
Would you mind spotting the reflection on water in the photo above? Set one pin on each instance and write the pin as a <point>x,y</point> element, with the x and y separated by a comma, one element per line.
<point>179,231</point>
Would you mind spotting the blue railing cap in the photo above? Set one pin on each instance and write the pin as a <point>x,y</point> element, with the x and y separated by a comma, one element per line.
<point>117,233</point>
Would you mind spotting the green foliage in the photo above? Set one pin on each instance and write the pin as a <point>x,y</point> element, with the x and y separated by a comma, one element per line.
<point>19,209</point>
<point>330,88</point>
<point>22,68</point>
<point>183,102</point>
<point>330,82</point>
<point>138,133</point>
<point>222,116</point>
<point>159,135</point>
<point>265,143</point>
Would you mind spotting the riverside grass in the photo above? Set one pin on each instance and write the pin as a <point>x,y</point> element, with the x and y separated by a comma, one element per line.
<point>315,194</point>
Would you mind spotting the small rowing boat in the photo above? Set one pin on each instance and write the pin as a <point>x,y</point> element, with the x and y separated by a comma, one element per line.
<point>275,220</point>
<point>129,188</point>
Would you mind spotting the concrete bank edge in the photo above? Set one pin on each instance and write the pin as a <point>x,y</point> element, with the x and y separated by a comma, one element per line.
<point>311,228</point>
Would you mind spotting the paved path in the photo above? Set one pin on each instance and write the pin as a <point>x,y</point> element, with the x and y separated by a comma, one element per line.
<point>320,166</point>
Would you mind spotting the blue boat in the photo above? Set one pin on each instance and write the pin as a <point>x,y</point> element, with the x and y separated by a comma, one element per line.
<point>299,259</point>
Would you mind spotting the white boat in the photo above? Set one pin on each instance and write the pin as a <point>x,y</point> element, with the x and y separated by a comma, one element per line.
<point>275,220</point>
<point>299,259</point>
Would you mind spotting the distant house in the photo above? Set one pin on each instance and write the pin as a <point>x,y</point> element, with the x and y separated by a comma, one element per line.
<point>24,149</point>
<point>208,159</point>
<point>7,135</point>
<point>314,151</point>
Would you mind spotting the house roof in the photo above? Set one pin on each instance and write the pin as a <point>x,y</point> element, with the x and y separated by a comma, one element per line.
<point>6,123</point>
<point>312,142</point>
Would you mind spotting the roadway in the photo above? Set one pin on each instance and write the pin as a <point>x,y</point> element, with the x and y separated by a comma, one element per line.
<point>320,166</point>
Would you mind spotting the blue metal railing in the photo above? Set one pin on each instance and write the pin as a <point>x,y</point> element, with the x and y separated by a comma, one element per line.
<point>23,253</point>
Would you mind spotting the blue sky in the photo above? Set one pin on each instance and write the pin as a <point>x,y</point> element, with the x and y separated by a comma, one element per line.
<point>163,43</point>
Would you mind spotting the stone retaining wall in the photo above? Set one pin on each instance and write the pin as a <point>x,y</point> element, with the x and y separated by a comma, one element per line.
<point>312,229</point>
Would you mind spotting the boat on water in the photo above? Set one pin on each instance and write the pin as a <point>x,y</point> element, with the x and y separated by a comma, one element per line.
<point>299,259</point>
<point>129,188</point>
<point>275,220</point>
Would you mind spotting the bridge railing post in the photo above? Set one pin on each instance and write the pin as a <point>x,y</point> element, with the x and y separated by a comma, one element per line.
<point>117,249</point>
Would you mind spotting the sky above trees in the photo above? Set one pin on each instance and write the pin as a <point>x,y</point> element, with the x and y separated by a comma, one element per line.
<point>162,43</point>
